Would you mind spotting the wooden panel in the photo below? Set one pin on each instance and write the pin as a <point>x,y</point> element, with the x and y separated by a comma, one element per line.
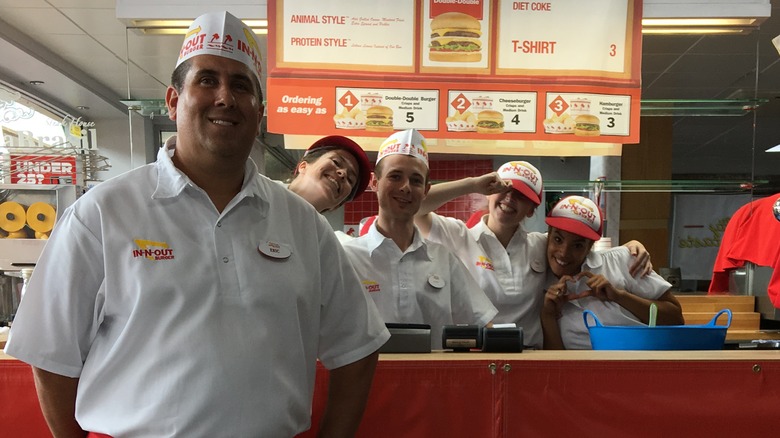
<point>644,216</point>
<point>656,241</point>
<point>713,308</point>
<point>739,320</point>
<point>714,303</point>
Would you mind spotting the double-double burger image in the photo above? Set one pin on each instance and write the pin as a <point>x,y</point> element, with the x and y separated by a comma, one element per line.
<point>455,37</point>
<point>379,118</point>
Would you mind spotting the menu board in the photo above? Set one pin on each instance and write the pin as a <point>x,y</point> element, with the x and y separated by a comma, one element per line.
<point>489,74</point>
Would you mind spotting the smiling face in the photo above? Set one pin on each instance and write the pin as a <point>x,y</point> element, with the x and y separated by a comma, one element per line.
<point>401,184</point>
<point>566,251</point>
<point>217,111</point>
<point>508,209</point>
<point>326,181</point>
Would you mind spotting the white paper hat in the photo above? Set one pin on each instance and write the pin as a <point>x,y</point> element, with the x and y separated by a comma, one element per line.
<point>409,142</point>
<point>222,34</point>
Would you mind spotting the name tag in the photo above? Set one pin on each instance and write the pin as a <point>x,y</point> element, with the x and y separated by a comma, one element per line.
<point>275,250</point>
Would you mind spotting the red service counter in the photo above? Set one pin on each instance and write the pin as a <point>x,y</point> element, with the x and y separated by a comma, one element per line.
<point>534,393</point>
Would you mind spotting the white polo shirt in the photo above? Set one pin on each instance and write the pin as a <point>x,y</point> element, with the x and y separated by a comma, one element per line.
<point>183,321</point>
<point>613,265</point>
<point>426,284</point>
<point>513,278</point>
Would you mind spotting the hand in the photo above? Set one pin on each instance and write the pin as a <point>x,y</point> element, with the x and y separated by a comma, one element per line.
<point>600,287</point>
<point>555,297</point>
<point>641,265</point>
<point>490,183</point>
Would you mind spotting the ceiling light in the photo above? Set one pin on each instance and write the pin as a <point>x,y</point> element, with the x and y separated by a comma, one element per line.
<point>774,149</point>
<point>655,26</point>
<point>179,27</point>
<point>704,22</point>
<point>82,107</point>
<point>696,30</point>
<point>37,82</point>
<point>703,17</point>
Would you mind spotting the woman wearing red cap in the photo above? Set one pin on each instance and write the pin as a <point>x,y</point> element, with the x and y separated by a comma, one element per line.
<point>597,281</point>
<point>507,261</point>
<point>333,170</point>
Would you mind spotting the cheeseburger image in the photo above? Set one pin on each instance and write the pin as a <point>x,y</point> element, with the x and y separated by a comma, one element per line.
<point>586,125</point>
<point>490,122</point>
<point>379,118</point>
<point>455,37</point>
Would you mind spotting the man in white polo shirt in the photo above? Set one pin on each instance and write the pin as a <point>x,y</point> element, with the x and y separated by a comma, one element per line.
<point>411,280</point>
<point>192,297</point>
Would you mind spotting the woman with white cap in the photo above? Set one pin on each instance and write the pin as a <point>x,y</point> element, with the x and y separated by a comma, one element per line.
<point>333,171</point>
<point>508,262</point>
<point>597,281</point>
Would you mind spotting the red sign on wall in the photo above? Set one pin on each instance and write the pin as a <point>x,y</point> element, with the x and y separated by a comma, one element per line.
<point>43,169</point>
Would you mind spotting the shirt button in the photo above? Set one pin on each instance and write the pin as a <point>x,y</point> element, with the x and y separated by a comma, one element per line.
<point>225,260</point>
<point>219,224</point>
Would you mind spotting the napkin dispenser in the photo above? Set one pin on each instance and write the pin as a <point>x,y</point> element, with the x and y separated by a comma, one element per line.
<point>407,338</point>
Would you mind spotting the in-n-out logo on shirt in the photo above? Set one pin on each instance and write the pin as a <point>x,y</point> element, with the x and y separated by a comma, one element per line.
<point>152,250</point>
<point>485,263</point>
<point>370,285</point>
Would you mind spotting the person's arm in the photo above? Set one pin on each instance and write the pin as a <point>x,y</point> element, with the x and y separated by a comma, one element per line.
<point>441,193</point>
<point>57,397</point>
<point>554,298</point>
<point>641,265</point>
<point>669,309</point>
<point>347,395</point>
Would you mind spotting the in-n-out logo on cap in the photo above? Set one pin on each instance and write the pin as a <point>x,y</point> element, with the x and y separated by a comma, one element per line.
<point>525,178</point>
<point>409,142</point>
<point>578,208</point>
<point>578,215</point>
<point>222,34</point>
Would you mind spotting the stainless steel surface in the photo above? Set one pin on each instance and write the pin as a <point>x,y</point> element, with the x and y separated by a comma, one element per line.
<point>753,280</point>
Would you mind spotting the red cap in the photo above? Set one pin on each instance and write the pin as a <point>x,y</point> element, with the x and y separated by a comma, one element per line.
<point>364,166</point>
<point>525,178</point>
<point>578,215</point>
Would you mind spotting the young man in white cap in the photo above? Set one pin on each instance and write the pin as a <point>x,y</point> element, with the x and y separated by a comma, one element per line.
<point>598,281</point>
<point>507,261</point>
<point>192,297</point>
<point>410,280</point>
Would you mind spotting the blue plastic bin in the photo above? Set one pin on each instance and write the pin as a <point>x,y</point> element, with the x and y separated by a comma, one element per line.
<point>667,337</point>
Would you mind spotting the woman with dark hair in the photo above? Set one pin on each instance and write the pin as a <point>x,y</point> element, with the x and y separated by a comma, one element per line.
<point>598,281</point>
<point>333,170</point>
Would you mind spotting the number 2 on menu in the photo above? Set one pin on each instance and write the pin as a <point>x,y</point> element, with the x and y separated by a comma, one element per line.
<point>460,104</point>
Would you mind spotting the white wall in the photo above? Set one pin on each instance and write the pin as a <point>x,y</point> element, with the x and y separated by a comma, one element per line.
<point>114,143</point>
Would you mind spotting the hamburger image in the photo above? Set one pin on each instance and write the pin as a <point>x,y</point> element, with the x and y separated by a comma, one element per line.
<point>455,37</point>
<point>587,125</point>
<point>379,118</point>
<point>490,122</point>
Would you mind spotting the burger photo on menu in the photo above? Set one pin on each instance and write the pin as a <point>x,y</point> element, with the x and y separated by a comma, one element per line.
<point>587,125</point>
<point>379,118</point>
<point>455,37</point>
<point>490,122</point>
